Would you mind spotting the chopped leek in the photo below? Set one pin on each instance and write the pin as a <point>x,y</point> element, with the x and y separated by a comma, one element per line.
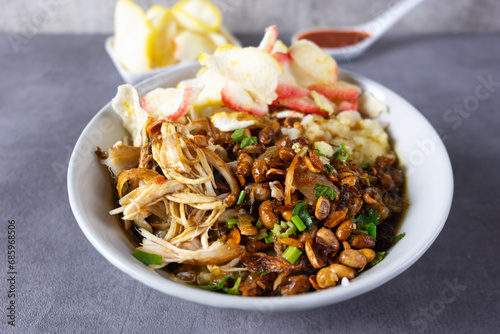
<point>241,197</point>
<point>292,254</point>
<point>238,135</point>
<point>231,222</point>
<point>298,223</point>
<point>147,258</point>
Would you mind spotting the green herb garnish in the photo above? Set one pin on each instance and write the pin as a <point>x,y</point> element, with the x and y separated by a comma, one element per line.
<point>147,258</point>
<point>379,256</point>
<point>324,191</point>
<point>262,272</point>
<point>367,180</point>
<point>341,153</point>
<point>370,229</point>
<point>222,286</point>
<point>292,254</point>
<point>258,224</point>
<point>247,141</point>
<point>238,135</point>
<point>300,210</point>
<point>398,237</point>
<point>369,221</point>
<point>241,197</point>
<point>365,165</point>
<point>234,290</point>
<point>330,168</point>
<point>269,237</point>
<point>368,217</point>
<point>232,222</point>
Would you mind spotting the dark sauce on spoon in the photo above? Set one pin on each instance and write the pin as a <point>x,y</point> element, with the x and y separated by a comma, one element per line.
<point>335,38</point>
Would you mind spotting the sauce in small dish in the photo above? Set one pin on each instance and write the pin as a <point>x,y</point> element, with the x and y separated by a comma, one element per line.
<point>334,38</point>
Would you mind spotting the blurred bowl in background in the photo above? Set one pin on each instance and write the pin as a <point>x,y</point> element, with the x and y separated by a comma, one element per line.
<point>136,77</point>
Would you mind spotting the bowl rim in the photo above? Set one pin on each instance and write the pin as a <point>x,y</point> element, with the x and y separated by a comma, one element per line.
<point>267,304</point>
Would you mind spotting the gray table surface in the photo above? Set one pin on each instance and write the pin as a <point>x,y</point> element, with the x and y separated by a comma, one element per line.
<point>51,86</point>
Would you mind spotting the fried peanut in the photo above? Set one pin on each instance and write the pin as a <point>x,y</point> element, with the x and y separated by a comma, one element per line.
<point>322,208</point>
<point>266,135</point>
<point>267,215</point>
<point>286,154</point>
<point>316,261</point>
<point>328,238</point>
<point>326,277</point>
<point>368,253</point>
<point>353,258</point>
<point>291,242</point>
<point>234,236</point>
<point>230,200</point>
<point>259,169</point>
<point>343,271</point>
<point>335,218</point>
<point>244,166</point>
<point>363,241</point>
<point>344,230</point>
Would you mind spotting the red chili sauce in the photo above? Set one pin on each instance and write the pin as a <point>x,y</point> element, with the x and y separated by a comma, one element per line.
<point>335,38</point>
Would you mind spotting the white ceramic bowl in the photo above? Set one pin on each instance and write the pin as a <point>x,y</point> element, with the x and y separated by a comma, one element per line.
<point>430,186</point>
<point>136,77</point>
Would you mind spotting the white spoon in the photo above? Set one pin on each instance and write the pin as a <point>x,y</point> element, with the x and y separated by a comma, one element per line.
<point>374,29</point>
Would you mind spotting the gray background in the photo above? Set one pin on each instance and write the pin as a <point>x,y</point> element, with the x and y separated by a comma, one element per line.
<point>50,88</point>
<point>29,16</point>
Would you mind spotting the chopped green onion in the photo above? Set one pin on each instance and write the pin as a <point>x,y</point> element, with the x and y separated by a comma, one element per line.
<point>231,222</point>
<point>258,224</point>
<point>289,228</point>
<point>370,229</point>
<point>341,153</point>
<point>299,223</point>
<point>147,258</point>
<point>292,254</point>
<point>318,153</point>
<point>330,168</point>
<point>301,211</point>
<point>234,290</point>
<point>238,135</point>
<point>263,272</point>
<point>214,287</point>
<point>269,238</point>
<point>241,197</point>
<point>365,165</point>
<point>367,180</point>
<point>379,256</point>
<point>398,237</point>
<point>368,217</point>
<point>324,191</point>
<point>247,141</point>
<point>262,233</point>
